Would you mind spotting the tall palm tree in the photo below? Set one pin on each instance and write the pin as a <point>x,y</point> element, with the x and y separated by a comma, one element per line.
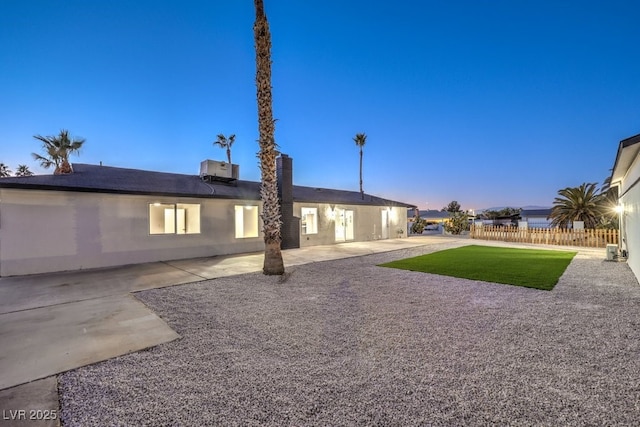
<point>23,170</point>
<point>57,150</point>
<point>360,139</point>
<point>582,203</point>
<point>271,217</point>
<point>4,170</point>
<point>224,142</point>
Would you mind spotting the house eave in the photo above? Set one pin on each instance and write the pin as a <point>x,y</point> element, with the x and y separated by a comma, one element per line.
<point>120,192</point>
<point>627,151</point>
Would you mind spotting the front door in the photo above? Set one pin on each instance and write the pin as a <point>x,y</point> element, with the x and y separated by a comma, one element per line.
<point>384,230</point>
<point>348,225</point>
<point>344,225</point>
<point>339,223</point>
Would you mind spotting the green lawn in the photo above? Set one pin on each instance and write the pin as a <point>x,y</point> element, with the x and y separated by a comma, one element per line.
<point>531,268</point>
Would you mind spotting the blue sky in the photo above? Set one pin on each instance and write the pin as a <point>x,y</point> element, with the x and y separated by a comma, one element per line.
<point>490,103</point>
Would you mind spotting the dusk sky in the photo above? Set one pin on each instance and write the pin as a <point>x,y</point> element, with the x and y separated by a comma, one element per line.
<point>490,103</point>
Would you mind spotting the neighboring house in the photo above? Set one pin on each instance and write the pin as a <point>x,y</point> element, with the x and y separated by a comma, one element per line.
<point>102,216</point>
<point>504,220</point>
<point>536,218</point>
<point>434,218</point>
<point>626,177</point>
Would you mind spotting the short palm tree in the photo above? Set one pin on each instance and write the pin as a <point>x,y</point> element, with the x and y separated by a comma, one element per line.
<point>57,150</point>
<point>23,170</point>
<point>582,203</point>
<point>4,170</point>
<point>224,142</point>
<point>360,139</point>
<point>271,217</point>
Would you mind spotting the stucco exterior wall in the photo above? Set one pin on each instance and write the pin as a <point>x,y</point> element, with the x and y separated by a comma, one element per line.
<point>45,231</point>
<point>630,224</point>
<point>367,222</point>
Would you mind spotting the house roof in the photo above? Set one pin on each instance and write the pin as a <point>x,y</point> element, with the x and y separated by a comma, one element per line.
<point>535,212</point>
<point>107,179</point>
<point>627,152</point>
<point>429,214</point>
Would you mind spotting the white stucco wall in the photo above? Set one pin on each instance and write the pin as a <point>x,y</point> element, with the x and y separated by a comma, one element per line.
<point>367,222</point>
<point>630,226</point>
<point>45,231</point>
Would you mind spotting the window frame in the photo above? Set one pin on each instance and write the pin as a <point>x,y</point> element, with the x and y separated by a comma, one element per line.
<point>304,224</point>
<point>157,221</point>
<point>240,227</point>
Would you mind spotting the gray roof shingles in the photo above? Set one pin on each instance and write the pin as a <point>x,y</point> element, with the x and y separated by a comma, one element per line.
<point>108,179</point>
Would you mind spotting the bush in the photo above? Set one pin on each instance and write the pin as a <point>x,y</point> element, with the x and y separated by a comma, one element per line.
<point>418,225</point>
<point>458,222</point>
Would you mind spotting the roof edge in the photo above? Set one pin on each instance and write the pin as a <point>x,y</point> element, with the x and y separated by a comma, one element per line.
<point>627,151</point>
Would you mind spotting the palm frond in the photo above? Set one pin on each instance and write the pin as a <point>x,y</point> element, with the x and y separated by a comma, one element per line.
<point>57,149</point>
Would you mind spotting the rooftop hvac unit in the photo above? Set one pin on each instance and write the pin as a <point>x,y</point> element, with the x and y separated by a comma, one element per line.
<point>222,171</point>
<point>214,168</point>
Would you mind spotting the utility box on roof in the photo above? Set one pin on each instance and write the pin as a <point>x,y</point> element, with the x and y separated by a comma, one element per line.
<point>212,169</point>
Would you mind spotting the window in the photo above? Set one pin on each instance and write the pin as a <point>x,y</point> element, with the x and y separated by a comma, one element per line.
<point>309,220</point>
<point>246,221</point>
<point>174,218</point>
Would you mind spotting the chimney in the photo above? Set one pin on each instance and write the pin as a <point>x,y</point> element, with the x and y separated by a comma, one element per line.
<point>284,171</point>
<point>290,229</point>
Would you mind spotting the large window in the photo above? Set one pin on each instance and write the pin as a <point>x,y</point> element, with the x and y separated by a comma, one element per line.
<point>246,221</point>
<point>174,218</point>
<point>309,220</point>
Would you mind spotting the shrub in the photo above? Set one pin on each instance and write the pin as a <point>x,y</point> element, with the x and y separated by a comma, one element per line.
<point>418,225</point>
<point>458,222</point>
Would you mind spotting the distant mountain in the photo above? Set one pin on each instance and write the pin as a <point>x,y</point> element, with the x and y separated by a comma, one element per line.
<point>528,207</point>
<point>532,207</point>
<point>498,208</point>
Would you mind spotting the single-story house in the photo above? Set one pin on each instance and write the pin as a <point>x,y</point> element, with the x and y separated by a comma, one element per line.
<point>536,218</point>
<point>434,218</point>
<point>626,176</point>
<point>101,216</point>
<point>429,215</point>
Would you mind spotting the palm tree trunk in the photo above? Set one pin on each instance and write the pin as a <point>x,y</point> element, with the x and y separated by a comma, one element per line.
<point>64,168</point>
<point>361,191</point>
<point>229,154</point>
<point>271,218</point>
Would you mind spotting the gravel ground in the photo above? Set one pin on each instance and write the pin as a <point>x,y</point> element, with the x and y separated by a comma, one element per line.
<point>348,343</point>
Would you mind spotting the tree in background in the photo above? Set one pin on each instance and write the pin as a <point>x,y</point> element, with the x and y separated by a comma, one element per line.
<point>23,170</point>
<point>458,219</point>
<point>4,170</point>
<point>583,203</point>
<point>609,218</point>
<point>457,223</point>
<point>224,142</point>
<point>57,150</point>
<point>360,139</point>
<point>271,217</point>
<point>418,225</point>
<point>504,212</point>
<point>452,207</point>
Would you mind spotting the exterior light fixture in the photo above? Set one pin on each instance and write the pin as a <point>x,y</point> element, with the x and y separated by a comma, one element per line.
<point>330,212</point>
